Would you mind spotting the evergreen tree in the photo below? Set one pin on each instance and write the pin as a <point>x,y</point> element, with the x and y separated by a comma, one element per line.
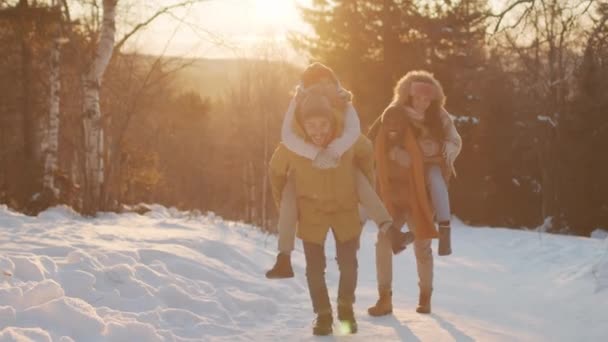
<point>368,43</point>
<point>585,129</point>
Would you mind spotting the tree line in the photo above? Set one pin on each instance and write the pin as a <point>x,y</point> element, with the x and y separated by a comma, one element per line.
<point>526,83</point>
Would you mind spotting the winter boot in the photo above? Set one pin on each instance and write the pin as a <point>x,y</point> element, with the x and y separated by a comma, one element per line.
<point>323,324</point>
<point>346,316</point>
<point>282,268</point>
<point>399,239</point>
<point>384,305</point>
<point>424,301</point>
<point>445,244</point>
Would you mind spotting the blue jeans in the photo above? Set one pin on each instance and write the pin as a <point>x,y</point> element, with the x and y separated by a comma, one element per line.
<point>439,192</point>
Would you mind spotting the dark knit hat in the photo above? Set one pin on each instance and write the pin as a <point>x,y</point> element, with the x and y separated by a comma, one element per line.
<point>318,73</point>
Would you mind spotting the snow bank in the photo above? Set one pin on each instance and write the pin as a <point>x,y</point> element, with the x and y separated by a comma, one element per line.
<point>600,233</point>
<point>177,276</point>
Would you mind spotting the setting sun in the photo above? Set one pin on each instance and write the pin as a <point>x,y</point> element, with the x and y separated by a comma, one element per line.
<point>275,14</point>
<point>237,23</point>
<point>271,9</point>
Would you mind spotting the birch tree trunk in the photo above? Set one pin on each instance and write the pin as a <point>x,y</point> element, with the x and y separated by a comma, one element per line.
<point>252,192</point>
<point>28,122</point>
<point>92,121</point>
<point>265,175</point>
<point>51,137</point>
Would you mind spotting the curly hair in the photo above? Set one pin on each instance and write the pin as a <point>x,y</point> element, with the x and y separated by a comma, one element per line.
<point>401,96</point>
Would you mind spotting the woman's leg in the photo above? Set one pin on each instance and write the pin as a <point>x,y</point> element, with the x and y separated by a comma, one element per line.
<point>372,203</point>
<point>375,208</point>
<point>424,265</point>
<point>384,276</point>
<point>384,270</point>
<point>439,193</point>
<point>384,263</point>
<point>288,217</point>
<point>441,204</point>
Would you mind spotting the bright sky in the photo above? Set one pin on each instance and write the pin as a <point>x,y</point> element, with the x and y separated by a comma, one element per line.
<point>242,25</point>
<point>245,24</point>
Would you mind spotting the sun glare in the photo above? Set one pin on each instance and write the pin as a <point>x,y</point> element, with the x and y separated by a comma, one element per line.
<point>274,12</point>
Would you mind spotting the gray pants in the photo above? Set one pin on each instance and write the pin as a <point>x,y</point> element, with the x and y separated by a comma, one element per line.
<point>439,192</point>
<point>346,255</point>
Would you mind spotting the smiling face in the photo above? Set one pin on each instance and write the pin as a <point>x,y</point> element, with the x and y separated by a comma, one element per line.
<point>421,95</point>
<point>319,129</point>
<point>421,103</point>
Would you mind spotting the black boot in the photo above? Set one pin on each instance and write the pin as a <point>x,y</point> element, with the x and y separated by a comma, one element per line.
<point>399,239</point>
<point>445,244</point>
<point>346,316</point>
<point>282,268</point>
<point>323,324</point>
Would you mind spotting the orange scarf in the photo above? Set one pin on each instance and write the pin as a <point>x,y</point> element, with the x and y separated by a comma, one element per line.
<point>420,212</point>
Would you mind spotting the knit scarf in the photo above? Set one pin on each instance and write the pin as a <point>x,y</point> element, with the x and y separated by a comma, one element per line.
<point>415,194</point>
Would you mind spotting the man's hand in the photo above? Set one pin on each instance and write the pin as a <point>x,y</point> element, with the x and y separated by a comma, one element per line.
<point>429,147</point>
<point>326,159</point>
<point>400,156</point>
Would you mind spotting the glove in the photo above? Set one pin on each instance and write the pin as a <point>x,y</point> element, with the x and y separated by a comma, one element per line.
<point>326,159</point>
<point>400,156</point>
<point>345,95</point>
<point>450,152</point>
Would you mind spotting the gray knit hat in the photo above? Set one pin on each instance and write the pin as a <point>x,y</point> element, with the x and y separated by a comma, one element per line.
<point>315,105</point>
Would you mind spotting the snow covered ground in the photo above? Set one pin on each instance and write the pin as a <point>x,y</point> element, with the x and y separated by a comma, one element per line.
<point>174,276</point>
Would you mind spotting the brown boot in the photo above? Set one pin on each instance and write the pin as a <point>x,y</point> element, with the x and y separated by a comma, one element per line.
<point>399,239</point>
<point>282,268</point>
<point>346,316</point>
<point>384,305</point>
<point>445,244</point>
<point>323,324</point>
<point>424,301</point>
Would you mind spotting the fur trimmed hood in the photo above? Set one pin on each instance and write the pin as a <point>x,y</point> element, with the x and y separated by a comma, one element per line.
<point>403,88</point>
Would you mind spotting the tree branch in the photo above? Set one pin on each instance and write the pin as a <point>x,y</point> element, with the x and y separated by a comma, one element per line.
<point>147,22</point>
<point>66,10</point>
<point>199,31</point>
<point>502,14</point>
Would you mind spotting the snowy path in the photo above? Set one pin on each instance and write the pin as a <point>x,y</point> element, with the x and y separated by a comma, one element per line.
<point>169,276</point>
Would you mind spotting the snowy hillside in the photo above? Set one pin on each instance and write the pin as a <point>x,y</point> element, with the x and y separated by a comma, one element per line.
<point>172,276</point>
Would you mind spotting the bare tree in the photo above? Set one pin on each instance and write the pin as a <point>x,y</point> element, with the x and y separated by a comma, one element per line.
<point>545,39</point>
<point>29,21</point>
<point>258,99</point>
<point>91,121</point>
<point>50,145</point>
<point>95,144</point>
